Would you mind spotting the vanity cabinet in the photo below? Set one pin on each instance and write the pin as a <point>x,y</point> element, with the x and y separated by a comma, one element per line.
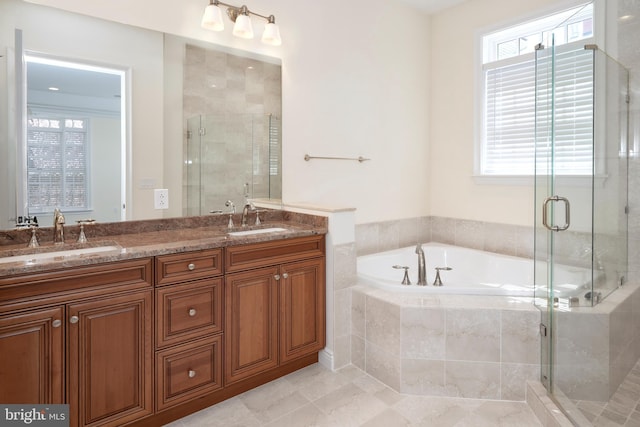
<point>110,359</point>
<point>188,326</point>
<point>146,341</point>
<point>80,336</point>
<point>275,304</point>
<point>32,356</point>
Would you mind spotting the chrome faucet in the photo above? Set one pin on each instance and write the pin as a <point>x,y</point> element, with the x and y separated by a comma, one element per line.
<point>58,227</point>
<point>422,266</point>
<point>248,207</point>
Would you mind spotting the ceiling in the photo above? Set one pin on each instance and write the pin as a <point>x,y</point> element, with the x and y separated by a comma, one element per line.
<point>72,81</point>
<point>433,6</point>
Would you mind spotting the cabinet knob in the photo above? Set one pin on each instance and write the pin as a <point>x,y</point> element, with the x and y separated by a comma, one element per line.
<point>277,277</point>
<point>192,373</point>
<point>56,323</point>
<point>192,312</point>
<point>191,266</point>
<point>74,319</point>
<point>285,275</point>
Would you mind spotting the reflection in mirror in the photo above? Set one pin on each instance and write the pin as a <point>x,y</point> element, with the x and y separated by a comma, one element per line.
<point>75,123</point>
<point>231,108</point>
<point>227,153</point>
<point>161,81</point>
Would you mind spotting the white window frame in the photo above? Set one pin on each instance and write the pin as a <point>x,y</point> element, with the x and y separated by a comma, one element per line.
<point>598,37</point>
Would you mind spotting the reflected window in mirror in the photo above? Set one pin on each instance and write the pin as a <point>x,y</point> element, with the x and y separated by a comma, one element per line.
<point>57,163</point>
<point>74,117</point>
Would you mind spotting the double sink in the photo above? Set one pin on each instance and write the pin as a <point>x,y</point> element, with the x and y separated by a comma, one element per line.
<point>75,251</point>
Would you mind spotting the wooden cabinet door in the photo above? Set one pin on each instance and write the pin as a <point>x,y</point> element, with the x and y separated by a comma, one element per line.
<point>302,309</point>
<point>251,323</point>
<point>110,359</point>
<point>31,357</point>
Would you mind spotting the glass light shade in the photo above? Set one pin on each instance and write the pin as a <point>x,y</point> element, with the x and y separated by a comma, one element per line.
<point>243,27</point>
<point>212,18</point>
<point>271,35</point>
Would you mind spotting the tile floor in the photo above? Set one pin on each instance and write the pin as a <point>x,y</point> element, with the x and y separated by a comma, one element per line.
<point>316,396</point>
<point>623,409</point>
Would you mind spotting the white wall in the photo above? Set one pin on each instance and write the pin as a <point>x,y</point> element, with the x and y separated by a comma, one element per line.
<point>355,82</point>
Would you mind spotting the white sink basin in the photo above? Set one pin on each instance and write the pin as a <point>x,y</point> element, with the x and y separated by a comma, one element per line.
<point>258,231</point>
<point>58,255</point>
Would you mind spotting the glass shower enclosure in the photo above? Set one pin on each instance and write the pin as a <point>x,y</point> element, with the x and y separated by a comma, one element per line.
<point>581,223</point>
<point>230,156</point>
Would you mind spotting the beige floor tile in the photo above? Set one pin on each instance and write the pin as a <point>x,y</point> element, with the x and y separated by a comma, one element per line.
<point>317,397</point>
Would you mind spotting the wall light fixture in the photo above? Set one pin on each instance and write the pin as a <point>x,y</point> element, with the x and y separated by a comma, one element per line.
<point>212,20</point>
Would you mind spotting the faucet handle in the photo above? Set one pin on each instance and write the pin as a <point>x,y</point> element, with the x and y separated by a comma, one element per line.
<point>33,242</point>
<point>405,279</point>
<point>438,281</point>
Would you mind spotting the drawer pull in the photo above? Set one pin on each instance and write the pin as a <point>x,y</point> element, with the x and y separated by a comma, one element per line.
<point>192,312</point>
<point>56,323</point>
<point>74,319</point>
<point>191,266</point>
<point>285,275</point>
<point>277,277</point>
<point>192,373</point>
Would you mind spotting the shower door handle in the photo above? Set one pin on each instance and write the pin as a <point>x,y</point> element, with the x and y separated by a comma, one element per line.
<point>567,213</point>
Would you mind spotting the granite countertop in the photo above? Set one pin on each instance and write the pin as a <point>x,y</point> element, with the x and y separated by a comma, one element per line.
<point>141,239</point>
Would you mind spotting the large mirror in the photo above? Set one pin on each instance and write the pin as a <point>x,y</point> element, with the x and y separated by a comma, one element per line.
<point>196,119</point>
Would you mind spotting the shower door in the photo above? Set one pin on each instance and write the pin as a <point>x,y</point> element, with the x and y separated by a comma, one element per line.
<point>580,217</point>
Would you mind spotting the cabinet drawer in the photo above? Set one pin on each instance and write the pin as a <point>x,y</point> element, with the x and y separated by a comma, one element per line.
<point>270,253</point>
<point>188,311</point>
<point>188,371</point>
<point>59,286</point>
<point>188,266</point>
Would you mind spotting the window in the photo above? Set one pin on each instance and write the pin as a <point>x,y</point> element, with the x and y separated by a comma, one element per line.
<point>57,164</point>
<point>508,105</point>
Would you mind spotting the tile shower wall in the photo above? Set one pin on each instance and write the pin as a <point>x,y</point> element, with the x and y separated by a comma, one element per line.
<point>230,96</point>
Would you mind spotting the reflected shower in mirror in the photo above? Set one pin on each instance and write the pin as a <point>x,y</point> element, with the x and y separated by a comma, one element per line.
<point>232,109</point>
<point>225,154</point>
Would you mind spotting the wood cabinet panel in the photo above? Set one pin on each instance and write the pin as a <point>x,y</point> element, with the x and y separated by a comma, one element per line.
<point>302,309</point>
<point>188,311</point>
<point>60,286</point>
<point>251,324</point>
<point>256,255</point>
<point>31,357</point>
<point>110,359</point>
<point>187,371</point>
<point>188,266</point>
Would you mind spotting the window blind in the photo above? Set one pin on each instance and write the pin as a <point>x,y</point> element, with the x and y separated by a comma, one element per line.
<point>510,114</point>
<point>57,164</point>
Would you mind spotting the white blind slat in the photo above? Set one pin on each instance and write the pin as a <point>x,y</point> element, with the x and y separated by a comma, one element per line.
<point>510,112</point>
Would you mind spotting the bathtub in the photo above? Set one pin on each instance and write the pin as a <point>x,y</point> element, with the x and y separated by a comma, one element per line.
<point>473,272</point>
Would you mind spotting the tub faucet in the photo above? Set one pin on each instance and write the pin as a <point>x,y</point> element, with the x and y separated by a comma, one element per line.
<point>422,266</point>
<point>58,227</point>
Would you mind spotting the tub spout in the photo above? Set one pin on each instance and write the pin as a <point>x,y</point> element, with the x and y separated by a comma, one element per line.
<point>422,266</point>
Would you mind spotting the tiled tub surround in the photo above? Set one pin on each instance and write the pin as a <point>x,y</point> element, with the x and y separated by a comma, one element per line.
<point>603,336</point>
<point>600,345</point>
<point>456,346</point>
